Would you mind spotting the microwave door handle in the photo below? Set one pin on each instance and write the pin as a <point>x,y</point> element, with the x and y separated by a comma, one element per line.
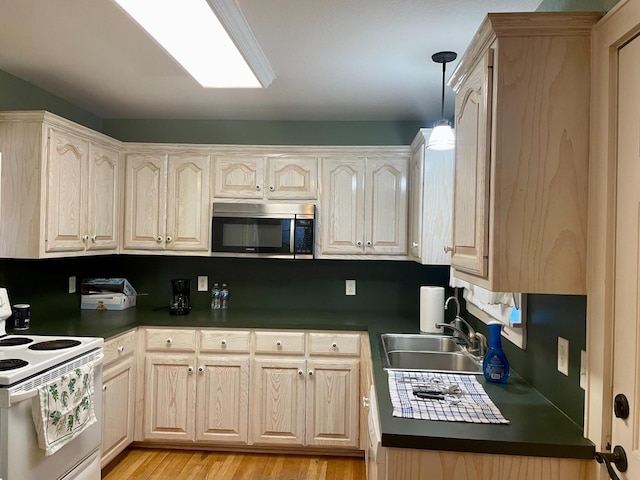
<point>292,238</point>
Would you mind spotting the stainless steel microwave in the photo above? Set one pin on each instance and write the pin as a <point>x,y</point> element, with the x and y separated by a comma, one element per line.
<point>282,230</point>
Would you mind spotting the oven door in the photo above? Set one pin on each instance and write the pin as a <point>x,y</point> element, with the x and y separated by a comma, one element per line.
<point>253,237</point>
<point>22,459</point>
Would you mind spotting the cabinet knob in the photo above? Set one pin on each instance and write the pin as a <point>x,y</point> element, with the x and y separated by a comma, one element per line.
<point>359,243</point>
<point>369,243</point>
<point>300,373</point>
<point>334,345</point>
<point>201,369</point>
<point>85,238</point>
<point>169,341</point>
<point>414,244</point>
<point>271,188</point>
<point>94,238</point>
<point>121,348</point>
<point>104,388</point>
<point>258,188</point>
<point>365,402</point>
<point>190,369</point>
<point>224,343</point>
<point>310,373</point>
<point>169,239</point>
<point>278,343</point>
<point>159,239</point>
<point>448,248</point>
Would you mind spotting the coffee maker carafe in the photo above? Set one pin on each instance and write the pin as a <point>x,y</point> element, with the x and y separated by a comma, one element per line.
<point>180,301</point>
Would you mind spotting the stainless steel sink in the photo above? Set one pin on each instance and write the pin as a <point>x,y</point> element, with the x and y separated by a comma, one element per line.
<point>437,353</point>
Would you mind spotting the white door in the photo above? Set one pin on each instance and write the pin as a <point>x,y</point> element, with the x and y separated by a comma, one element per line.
<point>626,432</point>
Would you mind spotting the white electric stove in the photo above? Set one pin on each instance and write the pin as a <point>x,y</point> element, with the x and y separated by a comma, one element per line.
<point>26,363</point>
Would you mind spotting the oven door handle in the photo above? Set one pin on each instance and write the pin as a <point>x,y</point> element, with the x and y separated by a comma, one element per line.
<point>22,396</point>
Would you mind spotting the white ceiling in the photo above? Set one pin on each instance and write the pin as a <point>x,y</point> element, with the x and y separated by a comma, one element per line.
<point>333,59</point>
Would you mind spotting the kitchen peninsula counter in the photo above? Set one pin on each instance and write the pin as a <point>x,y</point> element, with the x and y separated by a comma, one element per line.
<point>537,427</point>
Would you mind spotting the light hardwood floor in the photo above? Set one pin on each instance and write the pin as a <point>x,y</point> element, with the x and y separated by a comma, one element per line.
<point>159,464</point>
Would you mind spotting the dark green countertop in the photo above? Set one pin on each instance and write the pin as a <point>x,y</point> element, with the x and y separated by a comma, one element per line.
<point>537,427</point>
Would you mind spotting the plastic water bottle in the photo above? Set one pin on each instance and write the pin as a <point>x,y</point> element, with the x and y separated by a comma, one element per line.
<point>215,297</point>
<point>224,296</point>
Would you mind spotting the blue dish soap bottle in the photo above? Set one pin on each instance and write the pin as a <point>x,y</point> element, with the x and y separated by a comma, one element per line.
<point>495,365</point>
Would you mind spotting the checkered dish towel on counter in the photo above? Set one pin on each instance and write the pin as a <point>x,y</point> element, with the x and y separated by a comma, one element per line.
<point>471,404</point>
<point>63,408</point>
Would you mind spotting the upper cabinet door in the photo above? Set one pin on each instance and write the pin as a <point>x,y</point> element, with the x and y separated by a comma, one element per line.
<point>238,177</point>
<point>103,198</point>
<point>342,212</point>
<point>386,206</point>
<point>292,177</point>
<point>145,201</point>
<point>188,212</point>
<point>472,168</point>
<point>66,172</point>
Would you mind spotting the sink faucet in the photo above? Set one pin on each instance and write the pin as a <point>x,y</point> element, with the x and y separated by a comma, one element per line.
<point>455,300</point>
<point>476,342</point>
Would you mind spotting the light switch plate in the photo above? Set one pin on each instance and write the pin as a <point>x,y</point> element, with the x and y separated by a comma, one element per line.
<point>203,283</point>
<point>563,355</point>
<point>350,287</point>
<point>72,284</point>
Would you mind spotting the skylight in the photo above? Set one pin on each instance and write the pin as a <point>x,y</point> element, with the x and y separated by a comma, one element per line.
<point>192,33</point>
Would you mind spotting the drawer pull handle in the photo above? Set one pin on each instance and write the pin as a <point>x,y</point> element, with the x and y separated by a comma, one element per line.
<point>224,343</point>
<point>121,348</point>
<point>334,345</point>
<point>279,343</point>
<point>190,369</point>
<point>169,341</point>
<point>201,369</point>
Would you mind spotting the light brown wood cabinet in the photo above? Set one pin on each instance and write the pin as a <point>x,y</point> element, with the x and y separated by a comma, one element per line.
<point>118,395</point>
<point>430,202</point>
<point>60,188</point>
<point>522,125</point>
<point>364,205</point>
<point>284,176</point>
<point>166,204</point>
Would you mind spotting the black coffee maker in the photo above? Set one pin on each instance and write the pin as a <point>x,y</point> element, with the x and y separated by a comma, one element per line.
<point>180,301</point>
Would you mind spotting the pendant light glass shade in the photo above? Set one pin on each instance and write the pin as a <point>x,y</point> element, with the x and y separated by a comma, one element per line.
<point>442,137</point>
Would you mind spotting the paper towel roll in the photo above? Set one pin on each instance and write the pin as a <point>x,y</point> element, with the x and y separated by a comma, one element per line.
<point>431,309</point>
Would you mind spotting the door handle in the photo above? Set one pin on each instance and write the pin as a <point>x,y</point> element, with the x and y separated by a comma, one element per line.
<point>618,458</point>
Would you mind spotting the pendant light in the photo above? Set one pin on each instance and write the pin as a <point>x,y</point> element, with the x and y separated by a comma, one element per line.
<point>442,135</point>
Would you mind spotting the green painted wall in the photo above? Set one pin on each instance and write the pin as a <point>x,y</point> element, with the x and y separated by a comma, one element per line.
<point>16,94</point>
<point>577,5</point>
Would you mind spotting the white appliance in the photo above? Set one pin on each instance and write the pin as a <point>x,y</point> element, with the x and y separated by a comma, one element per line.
<point>26,362</point>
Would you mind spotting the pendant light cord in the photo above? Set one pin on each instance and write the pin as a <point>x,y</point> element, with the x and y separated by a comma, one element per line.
<point>444,67</point>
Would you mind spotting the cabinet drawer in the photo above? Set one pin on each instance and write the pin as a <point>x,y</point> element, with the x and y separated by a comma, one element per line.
<point>334,344</point>
<point>119,347</point>
<point>222,341</point>
<point>168,339</point>
<point>279,342</point>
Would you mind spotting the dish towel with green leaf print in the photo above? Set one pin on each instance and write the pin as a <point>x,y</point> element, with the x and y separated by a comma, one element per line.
<point>63,408</point>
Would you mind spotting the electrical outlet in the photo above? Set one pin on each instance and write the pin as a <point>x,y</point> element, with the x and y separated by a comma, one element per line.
<point>72,284</point>
<point>203,283</point>
<point>583,369</point>
<point>563,355</point>
<point>350,287</point>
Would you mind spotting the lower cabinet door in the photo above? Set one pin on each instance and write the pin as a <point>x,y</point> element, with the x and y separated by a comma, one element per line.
<point>118,400</point>
<point>277,401</point>
<point>169,397</point>
<point>333,403</point>
<point>222,406</point>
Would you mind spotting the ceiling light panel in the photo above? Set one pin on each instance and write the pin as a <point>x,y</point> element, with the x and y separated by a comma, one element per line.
<point>190,31</point>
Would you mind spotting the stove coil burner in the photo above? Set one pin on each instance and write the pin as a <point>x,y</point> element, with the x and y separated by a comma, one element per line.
<point>12,364</point>
<point>14,341</point>
<point>54,344</point>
